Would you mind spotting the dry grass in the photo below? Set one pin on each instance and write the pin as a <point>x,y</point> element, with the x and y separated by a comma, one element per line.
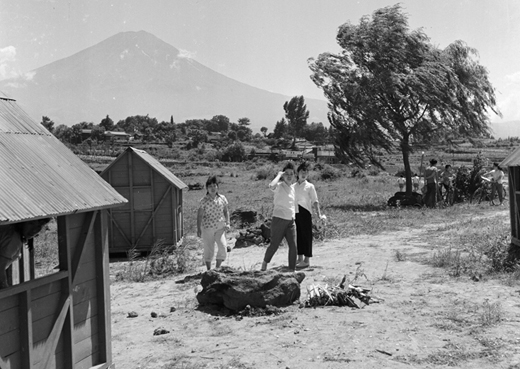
<point>353,205</point>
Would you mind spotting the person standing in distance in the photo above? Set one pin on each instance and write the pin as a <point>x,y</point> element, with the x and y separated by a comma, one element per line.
<point>307,201</point>
<point>430,176</point>
<point>497,176</point>
<point>401,181</point>
<point>212,223</point>
<point>415,182</point>
<point>284,212</point>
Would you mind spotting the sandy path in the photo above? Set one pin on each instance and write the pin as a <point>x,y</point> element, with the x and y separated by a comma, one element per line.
<point>425,320</point>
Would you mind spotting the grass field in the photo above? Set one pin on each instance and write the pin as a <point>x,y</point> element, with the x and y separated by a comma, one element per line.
<point>353,205</point>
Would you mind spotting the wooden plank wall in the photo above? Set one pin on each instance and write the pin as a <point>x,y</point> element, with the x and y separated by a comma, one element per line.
<point>10,332</point>
<point>164,218</point>
<point>129,174</point>
<point>29,313</point>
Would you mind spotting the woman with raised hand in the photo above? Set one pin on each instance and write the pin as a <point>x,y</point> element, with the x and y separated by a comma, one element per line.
<point>282,223</point>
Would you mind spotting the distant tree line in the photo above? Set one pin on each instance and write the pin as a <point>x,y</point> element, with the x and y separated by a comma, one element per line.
<point>147,129</point>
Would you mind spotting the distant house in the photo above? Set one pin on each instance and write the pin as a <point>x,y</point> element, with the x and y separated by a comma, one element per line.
<point>85,134</point>
<point>60,319</point>
<point>261,153</point>
<point>303,144</point>
<point>325,156</point>
<point>214,138</point>
<point>154,212</point>
<point>117,136</point>
<point>298,155</point>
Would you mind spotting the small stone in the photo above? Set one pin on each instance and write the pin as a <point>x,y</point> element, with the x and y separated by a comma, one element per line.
<point>160,331</point>
<point>132,314</point>
<point>172,309</point>
<point>153,314</point>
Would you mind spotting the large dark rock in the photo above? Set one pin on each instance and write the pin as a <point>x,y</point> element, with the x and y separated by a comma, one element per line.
<point>237,289</point>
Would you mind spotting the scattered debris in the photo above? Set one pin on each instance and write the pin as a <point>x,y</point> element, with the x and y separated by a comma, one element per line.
<point>384,352</point>
<point>338,295</point>
<point>160,331</point>
<point>260,311</point>
<point>244,216</point>
<point>195,186</point>
<point>132,314</point>
<point>254,235</point>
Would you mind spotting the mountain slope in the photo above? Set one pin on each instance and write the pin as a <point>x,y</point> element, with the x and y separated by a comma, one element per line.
<point>506,129</point>
<point>134,73</point>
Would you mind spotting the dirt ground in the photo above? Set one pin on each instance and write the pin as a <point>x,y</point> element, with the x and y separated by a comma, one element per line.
<point>426,319</point>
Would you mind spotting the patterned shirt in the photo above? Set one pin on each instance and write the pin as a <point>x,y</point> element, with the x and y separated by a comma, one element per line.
<point>213,214</point>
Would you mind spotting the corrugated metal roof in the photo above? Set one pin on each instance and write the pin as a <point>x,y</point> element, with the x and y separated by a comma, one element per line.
<point>512,160</point>
<point>41,177</point>
<point>154,163</point>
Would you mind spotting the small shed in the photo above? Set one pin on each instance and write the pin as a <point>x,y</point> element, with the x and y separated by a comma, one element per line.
<point>60,319</point>
<point>154,209</point>
<point>512,162</point>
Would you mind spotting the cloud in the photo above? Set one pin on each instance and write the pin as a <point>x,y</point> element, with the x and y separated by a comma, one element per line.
<point>513,78</point>
<point>7,59</point>
<point>509,105</point>
<point>186,54</point>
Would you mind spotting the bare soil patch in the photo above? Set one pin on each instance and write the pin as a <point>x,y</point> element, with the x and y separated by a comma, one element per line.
<point>426,319</point>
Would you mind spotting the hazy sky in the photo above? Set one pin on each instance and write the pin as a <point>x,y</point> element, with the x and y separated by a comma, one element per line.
<point>264,43</point>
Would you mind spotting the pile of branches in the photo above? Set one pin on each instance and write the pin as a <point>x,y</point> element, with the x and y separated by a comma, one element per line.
<point>339,295</point>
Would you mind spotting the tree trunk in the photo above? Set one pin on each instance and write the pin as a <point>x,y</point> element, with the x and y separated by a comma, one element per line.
<point>405,149</point>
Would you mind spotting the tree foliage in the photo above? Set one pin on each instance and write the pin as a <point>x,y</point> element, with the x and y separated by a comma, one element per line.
<point>296,114</point>
<point>235,152</point>
<point>389,87</point>
<point>107,123</point>
<point>48,123</point>
<point>280,129</point>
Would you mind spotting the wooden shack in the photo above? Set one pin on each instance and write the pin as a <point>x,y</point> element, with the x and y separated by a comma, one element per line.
<point>512,163</point>
<point>60,319</point>
<point>154,209</point>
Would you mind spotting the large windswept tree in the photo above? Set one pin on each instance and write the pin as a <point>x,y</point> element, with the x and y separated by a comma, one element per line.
<point>390,86</point>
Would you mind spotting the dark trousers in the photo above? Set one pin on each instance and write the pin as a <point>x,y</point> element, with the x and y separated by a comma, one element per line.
<point>304,232</point>
<point>430,198</point>
<point>497,187</point>
<point>280,229</point>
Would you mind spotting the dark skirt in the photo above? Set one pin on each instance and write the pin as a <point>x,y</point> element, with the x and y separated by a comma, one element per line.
<point>304,231</point>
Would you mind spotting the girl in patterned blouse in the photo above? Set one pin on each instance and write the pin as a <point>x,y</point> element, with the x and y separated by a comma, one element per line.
<point>212,223</point>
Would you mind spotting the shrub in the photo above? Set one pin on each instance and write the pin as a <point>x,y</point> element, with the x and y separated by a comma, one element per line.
<point>265,172</point>
<point>357,173</point>
<point>373,171</point>
<point>162,261</point>
<point>329,172</point>
<point>467,181</point>
<point>235,152</point>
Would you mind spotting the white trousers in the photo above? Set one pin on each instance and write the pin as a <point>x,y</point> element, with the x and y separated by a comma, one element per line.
<point>210,237</point>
